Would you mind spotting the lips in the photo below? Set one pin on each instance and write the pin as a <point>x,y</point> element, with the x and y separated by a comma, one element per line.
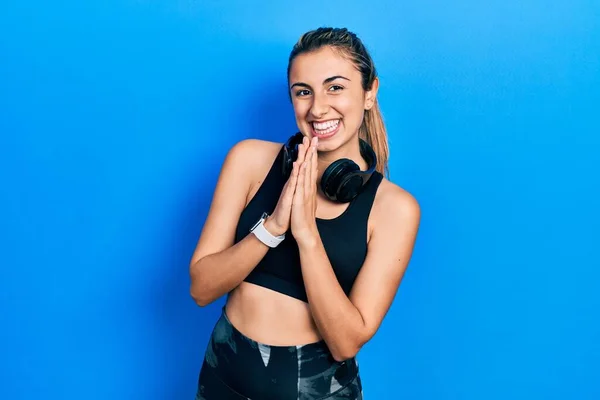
<point>325,129</point>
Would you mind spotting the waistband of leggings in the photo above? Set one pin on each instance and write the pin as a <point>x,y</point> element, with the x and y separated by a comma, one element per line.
<point>314,346</point>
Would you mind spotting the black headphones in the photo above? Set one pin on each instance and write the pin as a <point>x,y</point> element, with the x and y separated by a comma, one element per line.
<point>343,180</point>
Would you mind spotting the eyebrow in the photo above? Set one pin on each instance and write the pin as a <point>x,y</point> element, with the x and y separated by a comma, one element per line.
<point>330,79</point>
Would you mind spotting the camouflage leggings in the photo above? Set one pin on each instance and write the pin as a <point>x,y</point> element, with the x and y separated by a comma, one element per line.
<point>236,367</point>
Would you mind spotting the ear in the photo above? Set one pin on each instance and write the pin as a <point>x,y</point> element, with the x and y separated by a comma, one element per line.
<point>371,95</point>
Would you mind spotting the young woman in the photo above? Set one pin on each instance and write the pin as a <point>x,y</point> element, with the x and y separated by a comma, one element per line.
<point>307,238</point>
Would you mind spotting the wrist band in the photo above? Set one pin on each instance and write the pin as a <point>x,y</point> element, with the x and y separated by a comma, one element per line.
<point>264,235</point>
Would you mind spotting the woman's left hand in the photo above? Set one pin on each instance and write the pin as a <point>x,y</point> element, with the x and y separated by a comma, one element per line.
<point>304,205</point>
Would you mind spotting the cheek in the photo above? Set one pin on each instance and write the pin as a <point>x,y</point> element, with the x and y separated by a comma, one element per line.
<point>351,108</point>
<point>300,109</point>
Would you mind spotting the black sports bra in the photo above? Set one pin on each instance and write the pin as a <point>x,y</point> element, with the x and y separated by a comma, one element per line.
<point>344,238</point>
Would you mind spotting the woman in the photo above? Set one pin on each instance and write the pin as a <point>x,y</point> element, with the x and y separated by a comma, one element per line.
<point>309,239</point>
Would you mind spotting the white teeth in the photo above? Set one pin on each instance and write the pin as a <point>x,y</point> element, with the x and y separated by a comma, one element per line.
<point>323,128</point>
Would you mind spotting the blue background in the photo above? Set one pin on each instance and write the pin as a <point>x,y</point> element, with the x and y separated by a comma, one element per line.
<point>115,117</point>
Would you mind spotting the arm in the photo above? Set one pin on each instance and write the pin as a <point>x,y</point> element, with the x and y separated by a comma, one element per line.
<point>217,265</point>
<point>347,323</point>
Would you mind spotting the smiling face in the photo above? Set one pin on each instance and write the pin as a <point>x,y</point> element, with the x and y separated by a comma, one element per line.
<point>328,97</point>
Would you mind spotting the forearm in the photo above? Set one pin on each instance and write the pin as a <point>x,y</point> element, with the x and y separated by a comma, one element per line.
<point>338,320</point>
<point>217,274</point>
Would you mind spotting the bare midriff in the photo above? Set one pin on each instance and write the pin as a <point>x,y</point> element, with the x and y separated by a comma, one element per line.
<point>270,317</point>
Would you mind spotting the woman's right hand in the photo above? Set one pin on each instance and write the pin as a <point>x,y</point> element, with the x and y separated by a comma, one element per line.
<point>279,222</point>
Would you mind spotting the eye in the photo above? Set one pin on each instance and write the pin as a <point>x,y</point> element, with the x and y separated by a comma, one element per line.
<point>302,92</point>
<point>335,88</point>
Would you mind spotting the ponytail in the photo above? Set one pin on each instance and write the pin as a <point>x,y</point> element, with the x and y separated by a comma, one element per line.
<point>373,132</point>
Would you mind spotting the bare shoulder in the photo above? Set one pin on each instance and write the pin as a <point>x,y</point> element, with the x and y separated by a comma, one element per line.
<point>395,205</point>
<point>252,159</point>
<point>253,152</point>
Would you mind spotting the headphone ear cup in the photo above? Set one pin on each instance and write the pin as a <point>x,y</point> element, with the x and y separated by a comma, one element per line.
<point>290,153</point>
<point>334,176</point>
<point>286,165</point>
<point>349,188</point>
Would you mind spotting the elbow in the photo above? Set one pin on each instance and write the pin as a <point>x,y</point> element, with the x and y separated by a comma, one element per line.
<point>200,296</point>
<point>199,292</point>
<point>345,353</point>
<point>350,347</point>
<point>343,356</point>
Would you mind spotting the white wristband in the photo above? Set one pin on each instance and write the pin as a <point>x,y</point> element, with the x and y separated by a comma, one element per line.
<point>264,235</point>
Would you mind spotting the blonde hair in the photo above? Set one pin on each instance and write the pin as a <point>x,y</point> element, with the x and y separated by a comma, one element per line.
<point>372,129</point>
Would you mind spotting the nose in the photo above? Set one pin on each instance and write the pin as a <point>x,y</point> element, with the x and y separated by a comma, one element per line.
<point>320,106</point>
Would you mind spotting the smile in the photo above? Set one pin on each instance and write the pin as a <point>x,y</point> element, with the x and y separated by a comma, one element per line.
<point>325,129</point>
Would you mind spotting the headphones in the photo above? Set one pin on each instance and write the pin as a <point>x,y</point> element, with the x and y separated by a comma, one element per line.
<point>343,180</point>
